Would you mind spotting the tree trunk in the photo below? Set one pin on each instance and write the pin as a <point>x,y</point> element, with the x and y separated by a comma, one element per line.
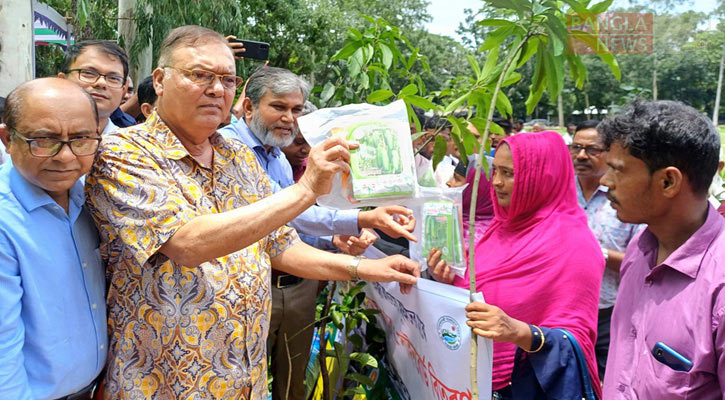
<point>716,109</point>
<point>561,111</point>
<point>16,45</point>
<point>141,63</point>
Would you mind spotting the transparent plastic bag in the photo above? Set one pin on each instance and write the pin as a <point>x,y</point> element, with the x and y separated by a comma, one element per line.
<point>382,169</point>
<point>439,225</point>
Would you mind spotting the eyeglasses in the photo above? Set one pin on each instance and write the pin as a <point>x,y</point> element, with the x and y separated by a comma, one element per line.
<point>91,76</point>
<point>49,147</point>
<point>203,77</point>
<point>592,151</point>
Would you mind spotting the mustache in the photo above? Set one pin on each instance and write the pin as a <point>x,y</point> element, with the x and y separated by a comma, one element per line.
<point>611,198</point>
<point>583,163</point>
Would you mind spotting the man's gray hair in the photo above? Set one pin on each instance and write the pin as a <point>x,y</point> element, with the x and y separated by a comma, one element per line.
<point>186,36</point>
<point>279,81</point>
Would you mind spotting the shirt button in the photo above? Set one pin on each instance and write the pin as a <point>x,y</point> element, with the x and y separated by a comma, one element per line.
<point>85,265</point>
<point>633,333</point>
<point>621,387</point>
<point>102,346</point>
<point>93,306</point>
<point>648,281</point>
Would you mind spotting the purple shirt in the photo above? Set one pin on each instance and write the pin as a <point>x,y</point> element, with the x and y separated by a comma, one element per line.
<point>680,303</point>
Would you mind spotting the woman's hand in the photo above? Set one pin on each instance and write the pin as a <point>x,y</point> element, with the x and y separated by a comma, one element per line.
<point>491,322</point>
<point>439,268</point>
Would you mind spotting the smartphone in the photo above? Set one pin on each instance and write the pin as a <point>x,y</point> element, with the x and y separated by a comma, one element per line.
<point>666,355</point>
<point>256,50</point>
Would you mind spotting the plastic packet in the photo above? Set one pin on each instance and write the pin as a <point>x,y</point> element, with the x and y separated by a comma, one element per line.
<point>439,224</point>
<point>382,168</point>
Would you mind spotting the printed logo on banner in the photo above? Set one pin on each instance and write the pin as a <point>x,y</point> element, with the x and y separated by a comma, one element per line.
<point>450,332</point>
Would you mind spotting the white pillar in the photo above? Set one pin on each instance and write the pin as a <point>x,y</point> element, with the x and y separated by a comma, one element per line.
<point>16,44</point>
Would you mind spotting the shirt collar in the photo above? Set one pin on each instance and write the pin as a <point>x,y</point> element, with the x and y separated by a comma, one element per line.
<point>601,188</point>
<point>175,150</point>
<point>688,257</point>
<point>32,197</point>
<point>171,145</point>
<point>110,127</point>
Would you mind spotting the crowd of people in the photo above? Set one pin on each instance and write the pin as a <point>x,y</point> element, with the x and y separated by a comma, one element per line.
<point>165,242</point>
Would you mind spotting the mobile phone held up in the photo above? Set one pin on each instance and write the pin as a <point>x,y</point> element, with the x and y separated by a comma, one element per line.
<point>666,355</point>
<point>256,50</point>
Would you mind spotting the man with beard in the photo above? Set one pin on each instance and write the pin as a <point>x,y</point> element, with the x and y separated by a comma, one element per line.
<point>587,152</point>
<point>275,97</point>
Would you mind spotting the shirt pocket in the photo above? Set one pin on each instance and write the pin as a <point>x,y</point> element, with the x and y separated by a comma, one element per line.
<point>661,378</point>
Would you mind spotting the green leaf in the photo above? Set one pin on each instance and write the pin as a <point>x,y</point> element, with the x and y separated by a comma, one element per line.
<point>578,8</point>
<point>414,118</point>
<point>336,318</point>
<point>496,37</point>
<point>503,105</point>
<point>474,66</point>
<point>554,74</point>
<point>439,150</point>
<point>512,78</point>
<point>408,90</point>
<point>421,102</point>
<point>456,103</point>
<point>387,55</point>
<point>354,33</point>
<point>353,391</point>
<point>379,95</point>
<point>529,50</point>
<point>536,89</point>
<point>346,51</point>
<point>600,48</point>
<point>327,92</point>
<point>356,62</point>
<point>356,340</point>
<point>490,64</point>
<point>360,378</point>
<point>412,59</point>
<point>495,22</point>
<point>600,7</point>
<point>365,359</point>
<point>539,8</point>
<point>516,5</point>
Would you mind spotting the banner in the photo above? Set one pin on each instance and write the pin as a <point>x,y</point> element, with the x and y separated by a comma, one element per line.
<point>428,341</point>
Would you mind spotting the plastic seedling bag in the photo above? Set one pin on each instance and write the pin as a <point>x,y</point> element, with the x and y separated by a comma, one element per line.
<point>382,168</point>
<point>439,225</point>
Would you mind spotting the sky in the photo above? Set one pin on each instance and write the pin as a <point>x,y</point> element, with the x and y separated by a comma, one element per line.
<point>447,14</point>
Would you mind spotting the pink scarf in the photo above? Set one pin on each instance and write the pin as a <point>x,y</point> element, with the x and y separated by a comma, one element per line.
<point>539,261</point>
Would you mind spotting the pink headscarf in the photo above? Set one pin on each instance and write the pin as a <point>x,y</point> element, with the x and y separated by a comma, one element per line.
<point>539,261</point>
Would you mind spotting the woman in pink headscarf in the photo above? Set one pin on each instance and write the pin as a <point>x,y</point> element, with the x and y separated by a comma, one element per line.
<point>539,268</point>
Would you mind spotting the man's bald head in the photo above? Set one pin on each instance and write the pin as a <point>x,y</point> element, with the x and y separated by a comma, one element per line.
<point>58,89</point>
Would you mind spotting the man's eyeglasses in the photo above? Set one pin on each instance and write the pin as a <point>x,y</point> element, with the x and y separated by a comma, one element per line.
<point>91,76</point>
<point>203,77</point>
<point>49,147</point>
<point>592,151</point>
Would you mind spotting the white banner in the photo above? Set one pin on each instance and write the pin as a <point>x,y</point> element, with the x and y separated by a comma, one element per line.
<point>428,341</point>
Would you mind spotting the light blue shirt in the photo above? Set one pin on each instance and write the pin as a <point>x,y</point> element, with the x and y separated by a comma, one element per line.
<point>611,233</point>
<point>315,221</point>
<point>53,338</point>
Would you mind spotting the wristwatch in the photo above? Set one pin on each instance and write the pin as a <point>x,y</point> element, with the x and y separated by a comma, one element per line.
<point>354,263</point>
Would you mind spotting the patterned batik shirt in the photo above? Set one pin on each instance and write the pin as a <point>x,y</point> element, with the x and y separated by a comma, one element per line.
<point>178,331</point>
<point>611,233</point>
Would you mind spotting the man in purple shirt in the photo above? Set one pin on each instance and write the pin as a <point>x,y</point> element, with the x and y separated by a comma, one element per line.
<point>668,325</point>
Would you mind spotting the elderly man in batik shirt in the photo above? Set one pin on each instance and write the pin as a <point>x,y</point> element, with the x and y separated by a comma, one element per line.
<point>190,229</point>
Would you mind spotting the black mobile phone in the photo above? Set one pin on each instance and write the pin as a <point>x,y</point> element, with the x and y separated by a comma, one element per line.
<point>668,356</point>
<point>256,50</point>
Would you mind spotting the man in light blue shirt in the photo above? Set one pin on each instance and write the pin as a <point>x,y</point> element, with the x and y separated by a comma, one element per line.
<point>275,97</point>
<point>53,338</point>
<point>587,152</point>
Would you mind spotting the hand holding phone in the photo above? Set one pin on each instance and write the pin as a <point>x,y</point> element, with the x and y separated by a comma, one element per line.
<point>668,356</point>
<point>248,48</point>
